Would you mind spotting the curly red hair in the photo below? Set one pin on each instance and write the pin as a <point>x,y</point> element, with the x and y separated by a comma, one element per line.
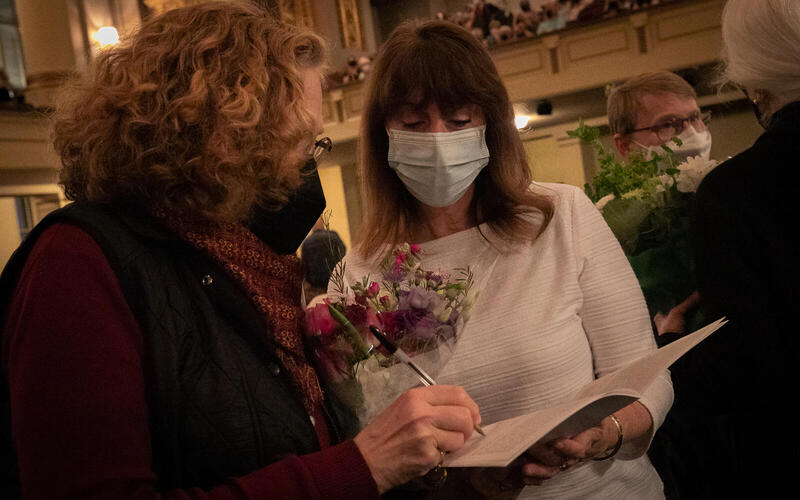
<point>201,111</point>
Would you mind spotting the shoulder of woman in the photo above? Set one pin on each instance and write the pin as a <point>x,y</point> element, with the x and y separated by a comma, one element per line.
<point>560,194</point>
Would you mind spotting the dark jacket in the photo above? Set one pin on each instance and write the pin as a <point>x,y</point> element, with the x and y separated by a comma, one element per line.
<point>733,392</point>
<point>220,403</point>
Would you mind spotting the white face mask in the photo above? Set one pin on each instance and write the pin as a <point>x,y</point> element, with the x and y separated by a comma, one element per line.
<point>438,167</point>
<point>694,143</point>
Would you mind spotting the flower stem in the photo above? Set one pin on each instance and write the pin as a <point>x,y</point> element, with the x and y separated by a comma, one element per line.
<point>359,346</point>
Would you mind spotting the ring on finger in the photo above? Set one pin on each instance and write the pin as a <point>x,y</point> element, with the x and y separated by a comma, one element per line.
<point>565,465</point>
<point>437,476</point>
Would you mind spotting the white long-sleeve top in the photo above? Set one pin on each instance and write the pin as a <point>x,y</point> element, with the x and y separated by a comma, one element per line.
<point>550,318</point>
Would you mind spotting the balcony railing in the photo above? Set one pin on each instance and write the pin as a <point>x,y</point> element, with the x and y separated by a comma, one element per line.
<point>671,36</point>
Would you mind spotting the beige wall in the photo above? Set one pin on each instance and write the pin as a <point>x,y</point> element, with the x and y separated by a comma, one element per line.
<point>9,229</point>
<point>556,159</point>
<point>732,133</point>
<point>331,177</point>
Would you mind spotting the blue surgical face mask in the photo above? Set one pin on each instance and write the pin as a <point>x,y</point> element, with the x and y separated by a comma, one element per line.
<point>438,167</point>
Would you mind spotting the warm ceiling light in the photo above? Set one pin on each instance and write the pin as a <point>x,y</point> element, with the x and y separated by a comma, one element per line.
<point>521,121</point>
<point>107,35</point>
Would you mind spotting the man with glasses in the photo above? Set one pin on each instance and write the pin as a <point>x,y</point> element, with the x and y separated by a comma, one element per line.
<point>646,113</point>
<point>651,109</point>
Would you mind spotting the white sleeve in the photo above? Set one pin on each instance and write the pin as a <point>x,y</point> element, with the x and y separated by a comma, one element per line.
<point>614,311</point>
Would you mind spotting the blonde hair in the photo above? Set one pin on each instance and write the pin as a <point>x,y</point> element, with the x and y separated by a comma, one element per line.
<point>625,100</point>
<point>441,62</point>
<point>761,45</point>
<point>200,111</point>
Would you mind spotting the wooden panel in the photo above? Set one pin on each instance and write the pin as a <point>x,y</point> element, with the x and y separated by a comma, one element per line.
<point>686,22</point>
<point>353,99</point>
<point>24,142</point>
<point>597,45</point>
<point>525,59</point>
<point>329,111</point>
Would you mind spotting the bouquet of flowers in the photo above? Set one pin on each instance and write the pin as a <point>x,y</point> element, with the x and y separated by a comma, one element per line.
<point>646,203</point>
<point>421,311</point>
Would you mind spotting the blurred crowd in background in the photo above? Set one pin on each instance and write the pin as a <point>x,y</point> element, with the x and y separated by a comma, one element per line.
<point>494,25</point>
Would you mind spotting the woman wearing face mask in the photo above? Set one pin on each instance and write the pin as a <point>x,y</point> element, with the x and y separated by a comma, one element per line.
<point>443,166</point>
<point>748,269</point>
<point>151,343</point>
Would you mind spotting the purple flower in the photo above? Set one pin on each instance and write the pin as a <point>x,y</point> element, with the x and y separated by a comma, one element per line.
<point>420,298</point>
<point>395,275</point>
<point>434,279</point>
<point>425,327</point>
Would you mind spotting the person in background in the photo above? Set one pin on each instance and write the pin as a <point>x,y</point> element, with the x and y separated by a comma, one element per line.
<point>644,113</point>
<point>483,13</point>
<point>151,330</point>
<point>525,21</point>
<point>748,270</point>
<point>648,110</point>
<point>593,10</point>
<point>563,9</point>
<point>319,253</point>
<point>550,21</point>
<point>442,165</point>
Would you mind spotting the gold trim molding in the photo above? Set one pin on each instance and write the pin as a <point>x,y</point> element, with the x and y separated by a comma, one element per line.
<point>350,22</point>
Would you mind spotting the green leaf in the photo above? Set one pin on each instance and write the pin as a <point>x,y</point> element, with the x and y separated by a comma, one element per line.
<point>624,216</point>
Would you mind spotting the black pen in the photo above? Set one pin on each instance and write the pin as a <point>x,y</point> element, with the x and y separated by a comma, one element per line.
<point>405,358</point>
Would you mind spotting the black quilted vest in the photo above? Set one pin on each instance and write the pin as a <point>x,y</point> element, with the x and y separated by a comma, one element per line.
<point>220,403</point>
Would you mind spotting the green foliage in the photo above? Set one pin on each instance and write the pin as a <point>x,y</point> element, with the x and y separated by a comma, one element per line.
<point>648,215</point>
<point>619,177</point>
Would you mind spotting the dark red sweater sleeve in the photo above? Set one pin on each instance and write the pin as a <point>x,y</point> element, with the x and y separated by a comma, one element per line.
<point>72,353</point>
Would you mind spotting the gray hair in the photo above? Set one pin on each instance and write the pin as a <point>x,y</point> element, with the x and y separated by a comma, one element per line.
<point>761,45</point>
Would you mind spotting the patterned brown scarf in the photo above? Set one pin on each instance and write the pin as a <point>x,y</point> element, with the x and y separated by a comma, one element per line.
<point>273,282</point>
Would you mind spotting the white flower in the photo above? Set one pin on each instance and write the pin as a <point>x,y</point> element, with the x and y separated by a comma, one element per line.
<point>604,200</point>
<point>692,171</point>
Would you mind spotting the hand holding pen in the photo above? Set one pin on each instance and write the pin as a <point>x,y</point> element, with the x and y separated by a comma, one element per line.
<point>401,356</point>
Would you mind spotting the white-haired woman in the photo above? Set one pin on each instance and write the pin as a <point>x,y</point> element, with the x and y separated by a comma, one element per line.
<point>736,437</point>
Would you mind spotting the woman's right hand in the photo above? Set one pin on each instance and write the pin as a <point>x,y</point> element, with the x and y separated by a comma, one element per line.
<point>408,438</point>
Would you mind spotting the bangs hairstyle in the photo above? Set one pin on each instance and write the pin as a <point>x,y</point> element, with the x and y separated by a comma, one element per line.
<point>201,111</point>
<point>440,62</point>
<point>625,100</point>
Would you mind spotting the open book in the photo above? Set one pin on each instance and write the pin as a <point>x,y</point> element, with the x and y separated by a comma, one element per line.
<point>508,439</point>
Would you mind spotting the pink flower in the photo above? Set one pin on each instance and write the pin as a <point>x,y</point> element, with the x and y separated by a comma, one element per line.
<point>388,321</point>
<point>319,320</point>
<point>415,249</point>
<point>372,289</point>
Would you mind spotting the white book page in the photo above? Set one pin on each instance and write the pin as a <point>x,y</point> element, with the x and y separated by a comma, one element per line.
<point>508,439</point>
<point>638,375</point>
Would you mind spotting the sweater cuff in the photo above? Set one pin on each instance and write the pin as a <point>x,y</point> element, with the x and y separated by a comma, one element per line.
<point>341,472</point>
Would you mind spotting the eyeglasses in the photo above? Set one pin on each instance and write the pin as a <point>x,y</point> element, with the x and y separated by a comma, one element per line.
<point>321,148</point>
<point>668,129</point>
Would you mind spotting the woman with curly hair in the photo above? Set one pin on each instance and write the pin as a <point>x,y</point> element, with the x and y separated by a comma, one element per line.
<point>151,343</point>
